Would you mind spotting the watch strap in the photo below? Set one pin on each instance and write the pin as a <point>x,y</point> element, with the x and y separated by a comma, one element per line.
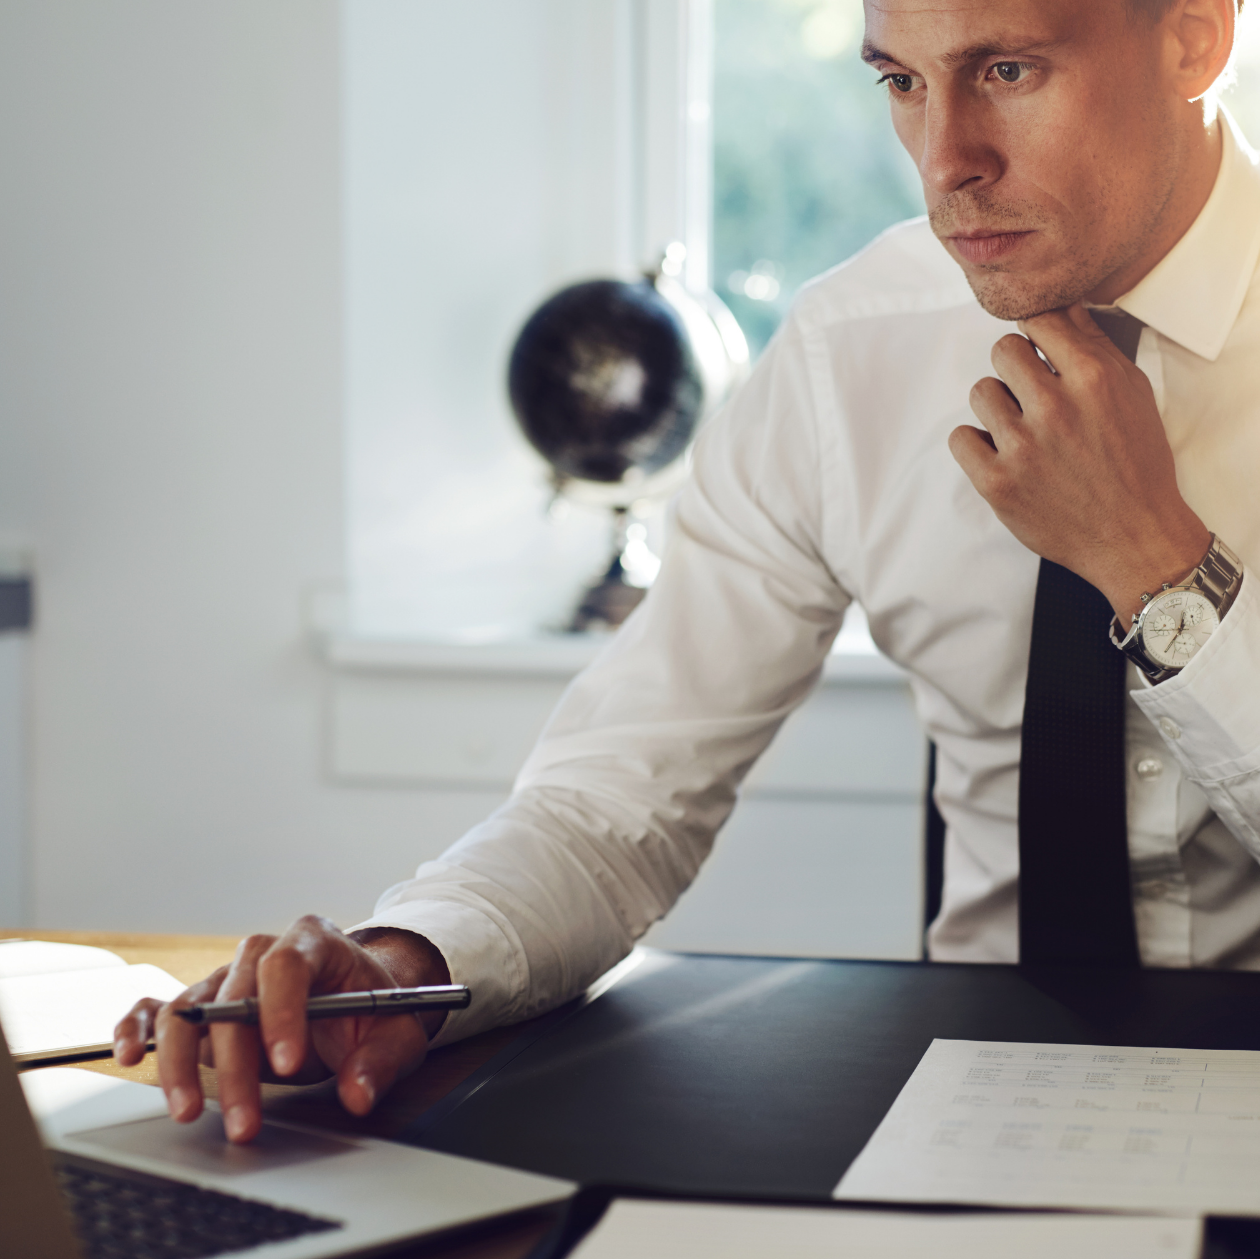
<point>1218,577</point>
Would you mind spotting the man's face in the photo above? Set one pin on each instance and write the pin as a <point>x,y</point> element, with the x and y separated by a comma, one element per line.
<point>1043,132</point>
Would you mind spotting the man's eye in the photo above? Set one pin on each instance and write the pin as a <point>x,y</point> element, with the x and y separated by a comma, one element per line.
<point>898,82</point>
<point>1010,71</point>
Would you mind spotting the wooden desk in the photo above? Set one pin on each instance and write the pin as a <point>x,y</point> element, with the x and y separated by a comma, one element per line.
<point>190,958</point>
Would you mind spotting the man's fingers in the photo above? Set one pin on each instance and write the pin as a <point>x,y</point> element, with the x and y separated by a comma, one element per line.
<point>178,1044</point>
<point>393,1048</point>
<point>974,451</point>
<point>238,1058</point>
<point>237,1052</point>
<point>1088,327</point>
<point>996,408</point>
<point>1084,323</point>
<point>1022,370</point>
<point>285,974</point>
<point>313,955</point>
<point>1058,335</point>
<point>1064,335</point>
<point>134,1031</point>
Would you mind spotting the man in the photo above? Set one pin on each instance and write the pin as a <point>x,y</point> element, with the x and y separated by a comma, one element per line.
<point>1070,154</point>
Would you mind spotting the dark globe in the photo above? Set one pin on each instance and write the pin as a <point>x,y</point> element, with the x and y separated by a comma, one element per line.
<point>603,379</point>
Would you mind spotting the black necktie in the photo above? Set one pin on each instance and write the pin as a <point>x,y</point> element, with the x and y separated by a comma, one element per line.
<point>1075,898</point>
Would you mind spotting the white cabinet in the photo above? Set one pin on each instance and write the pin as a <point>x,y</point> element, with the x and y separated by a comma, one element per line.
<point>822,858</point>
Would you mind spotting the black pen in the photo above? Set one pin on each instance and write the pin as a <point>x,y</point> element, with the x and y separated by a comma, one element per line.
<point>336,1005</point>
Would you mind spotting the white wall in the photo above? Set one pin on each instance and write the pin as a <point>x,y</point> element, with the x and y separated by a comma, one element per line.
<point>171,448</point>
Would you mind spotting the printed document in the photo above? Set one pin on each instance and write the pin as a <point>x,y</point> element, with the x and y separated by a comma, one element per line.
<point>1070,1126</point>
<point>632,1229</point>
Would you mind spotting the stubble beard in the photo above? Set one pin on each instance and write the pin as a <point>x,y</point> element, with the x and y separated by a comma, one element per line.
<point>1010,295</point>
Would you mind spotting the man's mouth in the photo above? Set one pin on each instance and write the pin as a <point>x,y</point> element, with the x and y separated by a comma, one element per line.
<point>983,246</point>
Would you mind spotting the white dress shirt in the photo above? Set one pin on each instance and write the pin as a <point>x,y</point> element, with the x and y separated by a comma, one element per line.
<point>828,479</point>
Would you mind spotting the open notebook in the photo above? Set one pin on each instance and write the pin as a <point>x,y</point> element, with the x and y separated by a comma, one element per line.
<point>62,1000</point>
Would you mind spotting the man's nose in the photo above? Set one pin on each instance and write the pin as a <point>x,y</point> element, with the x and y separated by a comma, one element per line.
<point>957,151</point>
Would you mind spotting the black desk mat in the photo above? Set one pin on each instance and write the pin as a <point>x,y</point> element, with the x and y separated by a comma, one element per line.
<point>764,1078</point>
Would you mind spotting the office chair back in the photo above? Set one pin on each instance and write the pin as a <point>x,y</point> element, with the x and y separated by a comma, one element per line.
<point>933,851</point>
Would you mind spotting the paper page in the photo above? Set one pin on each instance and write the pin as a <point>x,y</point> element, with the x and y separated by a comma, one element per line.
<point>689,1230</point>
<point>50,1016</point>
<point>1076,1126</point>
<point>41,957</point>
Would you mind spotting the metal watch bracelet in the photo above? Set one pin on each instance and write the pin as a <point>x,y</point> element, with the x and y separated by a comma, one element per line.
<point>1218,577</point>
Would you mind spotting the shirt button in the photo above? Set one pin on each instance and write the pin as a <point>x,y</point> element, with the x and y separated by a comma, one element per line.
<point>1150,767</point>
<point>1170,728</point>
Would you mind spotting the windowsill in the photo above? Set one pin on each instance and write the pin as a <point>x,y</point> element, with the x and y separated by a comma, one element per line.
<point>854,658</point>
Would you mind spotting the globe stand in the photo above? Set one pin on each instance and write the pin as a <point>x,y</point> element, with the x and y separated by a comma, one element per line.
<point>607,603</point>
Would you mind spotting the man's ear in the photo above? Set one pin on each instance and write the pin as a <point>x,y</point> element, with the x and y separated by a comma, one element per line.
<point>1198,40</point>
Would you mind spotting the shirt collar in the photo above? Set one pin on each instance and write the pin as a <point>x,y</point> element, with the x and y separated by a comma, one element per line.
<point>1194,293</point>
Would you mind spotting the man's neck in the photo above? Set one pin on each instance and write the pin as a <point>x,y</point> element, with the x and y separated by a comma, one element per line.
<point>1191,190</point>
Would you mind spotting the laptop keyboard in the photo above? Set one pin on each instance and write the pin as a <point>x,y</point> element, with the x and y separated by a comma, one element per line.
<point>124,1215</point>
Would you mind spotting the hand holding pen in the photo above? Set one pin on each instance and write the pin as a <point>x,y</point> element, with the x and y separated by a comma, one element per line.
<point>340,1005</point>
<point>311,962</point>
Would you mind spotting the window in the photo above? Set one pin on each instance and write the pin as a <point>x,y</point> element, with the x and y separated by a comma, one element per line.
<point>493,153</point>
<point>806,167</point>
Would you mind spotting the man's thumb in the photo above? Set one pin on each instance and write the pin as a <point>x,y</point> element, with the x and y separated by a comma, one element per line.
<point>1084,322</point>
<point>393,1048</point>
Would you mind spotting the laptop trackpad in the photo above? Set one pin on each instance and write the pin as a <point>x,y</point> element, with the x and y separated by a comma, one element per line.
<point>201,1145</point>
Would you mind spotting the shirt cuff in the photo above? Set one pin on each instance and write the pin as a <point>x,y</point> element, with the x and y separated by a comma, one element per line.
<point>1208,713</point>
<point>477,954</point>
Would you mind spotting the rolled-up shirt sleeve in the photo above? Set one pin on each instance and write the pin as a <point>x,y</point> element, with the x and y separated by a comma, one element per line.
<point>1209,717</point>
<point>638,768</point>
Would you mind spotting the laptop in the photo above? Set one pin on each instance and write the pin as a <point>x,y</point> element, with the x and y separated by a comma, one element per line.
<point>114,1176</point>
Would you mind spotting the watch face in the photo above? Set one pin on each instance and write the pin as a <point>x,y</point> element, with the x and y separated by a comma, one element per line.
<point>1175,626</point>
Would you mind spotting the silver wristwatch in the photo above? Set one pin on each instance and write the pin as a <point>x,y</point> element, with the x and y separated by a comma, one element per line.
<point>1175,623</point>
